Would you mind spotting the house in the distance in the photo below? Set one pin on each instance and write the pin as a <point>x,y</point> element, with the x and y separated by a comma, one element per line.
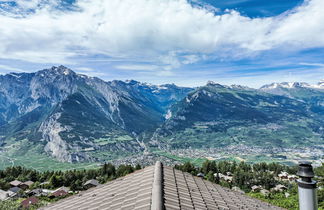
<point>3,195</point>
<point>283,175</point>
<point>227,178</point>
<point>66,189</point>
<point>21,185</point>
<point>256,188</point>
<point>15,190</point>
<point>90,183</point>
<point>29,183</point>
<point>29,201</point>
<point>15,183</point>
<point>37,192</point>
<point>59,193</point>
<point>279,188</point>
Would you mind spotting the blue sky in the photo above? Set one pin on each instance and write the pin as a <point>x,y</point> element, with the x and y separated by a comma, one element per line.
<point>247,42</point>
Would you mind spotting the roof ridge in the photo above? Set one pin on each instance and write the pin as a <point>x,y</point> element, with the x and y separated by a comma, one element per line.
<point>157,189</point>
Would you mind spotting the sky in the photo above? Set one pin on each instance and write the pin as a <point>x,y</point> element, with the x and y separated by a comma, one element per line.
<point>186,42</point>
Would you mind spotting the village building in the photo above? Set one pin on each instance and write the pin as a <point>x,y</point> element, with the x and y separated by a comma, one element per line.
<point>29,201</point>
<point>91,183</point>
<point>256,188</point>
<point>15,189</point>
<point>279,188</point>
<point>37,192</point>
<point>283,175</point>
<point>292,178</point>
<point>58,193</point>
<point>29,183</point>
<point>3,195</point>
<point>227,178</point>
<point>65,189</point>
<point>15,183</point>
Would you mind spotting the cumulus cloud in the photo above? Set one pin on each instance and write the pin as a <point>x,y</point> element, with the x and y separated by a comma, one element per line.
<point>163,32</point>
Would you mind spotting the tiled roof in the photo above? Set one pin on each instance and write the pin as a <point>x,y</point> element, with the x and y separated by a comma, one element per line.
<point>14,189</point>
<point>160,187</point>
<point>92,182</point>
<point>15,183</point>
<point>29,201</point>
<point>29,183</point>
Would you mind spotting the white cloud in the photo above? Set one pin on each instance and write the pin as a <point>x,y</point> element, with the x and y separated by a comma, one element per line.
<point>312,64</point>
<point>164,32</point>
<point>136,67</point>
<point>6,68</point>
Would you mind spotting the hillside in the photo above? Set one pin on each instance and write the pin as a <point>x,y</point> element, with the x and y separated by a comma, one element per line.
<point>215,116</point>
<point>75,118</point>
<point>69,116</point>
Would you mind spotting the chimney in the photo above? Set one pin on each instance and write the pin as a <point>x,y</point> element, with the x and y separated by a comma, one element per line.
<point>306,187</point>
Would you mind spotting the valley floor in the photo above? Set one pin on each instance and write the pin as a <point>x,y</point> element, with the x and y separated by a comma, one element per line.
<point>41,162</point>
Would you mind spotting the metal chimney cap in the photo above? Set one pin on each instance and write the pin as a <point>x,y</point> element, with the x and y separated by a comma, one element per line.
<point>305,169</point>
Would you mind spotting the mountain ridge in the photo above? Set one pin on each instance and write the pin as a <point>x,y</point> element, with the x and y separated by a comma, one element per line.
<point>75,118</point>
<point>65,102</point>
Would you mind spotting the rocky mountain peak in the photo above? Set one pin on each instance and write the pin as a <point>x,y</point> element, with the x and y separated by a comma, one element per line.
<point>56,70</point>
<point>214,84</point>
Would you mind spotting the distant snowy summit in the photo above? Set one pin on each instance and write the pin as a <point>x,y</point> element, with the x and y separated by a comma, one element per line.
<point>275,85</point>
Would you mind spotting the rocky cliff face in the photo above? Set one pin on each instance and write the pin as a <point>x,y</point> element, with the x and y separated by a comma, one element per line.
<point>72,114</point>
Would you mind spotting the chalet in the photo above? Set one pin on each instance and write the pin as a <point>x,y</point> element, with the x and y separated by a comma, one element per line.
<point>256,188</point>
<point>37,192</point>
<point>283,175</point>
<point>15,189</point>
<point>159,187</point>
<point>19,184</point>
<point>15,183</point>
<point>66,189</point>
<point>3,195</point>
<point>29,183</point>
<point>91,183</point>
<point>58,193</point>
<point>292,178</point>
<point>279,188</point>
<point>226,178</point>
<point>29,201</point>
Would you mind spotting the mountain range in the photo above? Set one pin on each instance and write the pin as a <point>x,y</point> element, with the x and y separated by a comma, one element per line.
<point>75,118</point>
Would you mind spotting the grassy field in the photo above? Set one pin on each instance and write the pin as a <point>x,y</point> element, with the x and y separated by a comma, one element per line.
<point>41,162</point>
<point>197,161</point>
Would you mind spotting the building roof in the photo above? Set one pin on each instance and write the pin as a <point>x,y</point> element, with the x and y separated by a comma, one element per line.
<point>160,187</point>
<point>66,189</point>
<point>92,182</point>
<point>59,193</point>
<point>15,183</point>
<point>3,195</point>
<point>14,189</point>
<point>29,201</point>
<point>29,183</point>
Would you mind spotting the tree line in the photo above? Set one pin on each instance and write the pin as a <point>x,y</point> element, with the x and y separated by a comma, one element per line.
<point>71,178</point>
<point>246,175</point>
